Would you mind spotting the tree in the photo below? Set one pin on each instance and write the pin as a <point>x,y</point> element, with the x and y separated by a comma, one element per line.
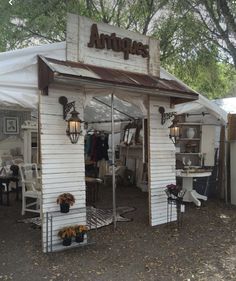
<point>218,19</point>
<point>190,48</point>
<point>44,21</point>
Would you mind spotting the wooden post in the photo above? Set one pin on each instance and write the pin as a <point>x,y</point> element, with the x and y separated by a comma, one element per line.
<point>113,162</point>
<point>221,168</point>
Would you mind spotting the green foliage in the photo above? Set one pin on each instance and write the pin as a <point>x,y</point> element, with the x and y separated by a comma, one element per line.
<point>188,47</point>
<point>205,74</point>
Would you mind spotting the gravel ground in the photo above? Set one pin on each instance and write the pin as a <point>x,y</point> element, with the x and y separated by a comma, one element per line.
<point>204,248</point>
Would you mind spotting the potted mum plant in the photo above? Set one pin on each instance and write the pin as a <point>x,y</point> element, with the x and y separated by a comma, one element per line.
<point>80,230</point>
<point>65,200</point>
<point>174,192</point>
<point>66,235</point>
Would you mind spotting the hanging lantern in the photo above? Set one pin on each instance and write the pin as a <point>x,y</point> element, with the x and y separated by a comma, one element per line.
<point>73,130</point>
<point>74,126</point>
<point>174,132</point>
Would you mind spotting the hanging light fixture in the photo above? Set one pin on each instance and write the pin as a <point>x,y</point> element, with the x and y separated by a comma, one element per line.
<point>74,126</point>
<point>174,132</point>
<point>73,130</point>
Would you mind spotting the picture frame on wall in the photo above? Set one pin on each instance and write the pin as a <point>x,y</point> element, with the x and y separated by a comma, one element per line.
<point>11,125</point>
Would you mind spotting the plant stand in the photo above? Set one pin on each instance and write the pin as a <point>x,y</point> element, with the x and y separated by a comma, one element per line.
<point>178,205</point>
<point>51,225</point>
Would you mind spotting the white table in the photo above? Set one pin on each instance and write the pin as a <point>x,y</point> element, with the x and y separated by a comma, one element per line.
<point>191,195</point>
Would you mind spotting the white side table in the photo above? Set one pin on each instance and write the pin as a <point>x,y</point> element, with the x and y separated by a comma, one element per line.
<point>191,195</point>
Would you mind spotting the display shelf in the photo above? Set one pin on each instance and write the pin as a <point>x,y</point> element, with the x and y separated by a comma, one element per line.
<point>59,247</point>
<point>196,142</point>
<point>50,216</point>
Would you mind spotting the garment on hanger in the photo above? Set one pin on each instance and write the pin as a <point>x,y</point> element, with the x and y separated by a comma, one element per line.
<point>96,146</point>
<point>102,147</point>
<point>93,153</point>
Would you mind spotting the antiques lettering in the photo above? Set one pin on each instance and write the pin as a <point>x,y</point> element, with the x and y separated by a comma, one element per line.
<point>117,44</point>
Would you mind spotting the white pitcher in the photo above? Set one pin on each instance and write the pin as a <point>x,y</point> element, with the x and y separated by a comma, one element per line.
<point>191,133</point>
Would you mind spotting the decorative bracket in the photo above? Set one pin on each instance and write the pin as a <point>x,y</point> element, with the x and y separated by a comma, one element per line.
<point>67,106</point>
<point>165,116</point>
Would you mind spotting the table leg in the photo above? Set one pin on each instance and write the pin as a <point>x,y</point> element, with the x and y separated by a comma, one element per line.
<point>190,194</point>
<point>194,199</point>
<point>8,199</point>
<point>188,187</point>
<point>1,194</point>
<point>17,191</point>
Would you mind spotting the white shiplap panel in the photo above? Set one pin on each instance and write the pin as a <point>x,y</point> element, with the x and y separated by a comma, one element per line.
<point>53,191</point>
<point>167,168</point>
<point>58,161</point>
<point>163,176</point>
<point>65,152</point>
<point>161,163</point>
<point>59,132</point>
<point>63,169</point>
<point>48,202</point>
<point>61,157</point>
<point>63,147</point>
<point>49,178</point>
<point>72,184</point>
<point>62,163</point>
<point>55,176</point>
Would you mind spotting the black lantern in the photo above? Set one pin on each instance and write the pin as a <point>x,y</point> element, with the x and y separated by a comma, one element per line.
<point>74,126</point>
<point>174,132</point>
<point>73,130</point>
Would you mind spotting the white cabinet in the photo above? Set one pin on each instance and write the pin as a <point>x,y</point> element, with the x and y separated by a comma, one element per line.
<point>30,135</point>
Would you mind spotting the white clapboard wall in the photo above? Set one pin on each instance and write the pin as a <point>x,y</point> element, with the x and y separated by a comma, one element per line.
<point>78,36</point>
<point>161,162</point>
<point>62,163</point>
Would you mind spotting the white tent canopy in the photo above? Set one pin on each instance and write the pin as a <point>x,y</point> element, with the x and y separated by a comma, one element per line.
<point>18,74</point>
<point>227,104</point>
<point>19,86</point>
<point>201,105</point>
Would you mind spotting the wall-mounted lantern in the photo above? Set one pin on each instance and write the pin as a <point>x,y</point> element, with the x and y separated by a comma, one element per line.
<point>73,130</point>
<point>174,132</point>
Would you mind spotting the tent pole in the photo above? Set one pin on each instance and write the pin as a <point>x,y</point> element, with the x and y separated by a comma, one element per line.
<point>113,162</point>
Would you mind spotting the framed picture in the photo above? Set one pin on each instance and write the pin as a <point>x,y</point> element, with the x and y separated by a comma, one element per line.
<point>11,125</point>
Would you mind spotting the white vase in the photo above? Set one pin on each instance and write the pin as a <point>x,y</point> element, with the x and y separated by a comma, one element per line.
<point>191,133</point>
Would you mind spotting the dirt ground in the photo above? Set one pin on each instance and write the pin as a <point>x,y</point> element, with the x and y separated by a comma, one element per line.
<point>204,248</point>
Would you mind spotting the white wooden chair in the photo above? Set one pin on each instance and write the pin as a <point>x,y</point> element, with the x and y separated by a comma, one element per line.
<point>31,188</point>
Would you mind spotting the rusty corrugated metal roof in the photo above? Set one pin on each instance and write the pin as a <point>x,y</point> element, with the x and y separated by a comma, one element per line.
<point>115,76</point>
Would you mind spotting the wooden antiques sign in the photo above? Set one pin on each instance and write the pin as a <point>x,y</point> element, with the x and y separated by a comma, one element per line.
<point>117,44</point>
<point>104,45</point>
